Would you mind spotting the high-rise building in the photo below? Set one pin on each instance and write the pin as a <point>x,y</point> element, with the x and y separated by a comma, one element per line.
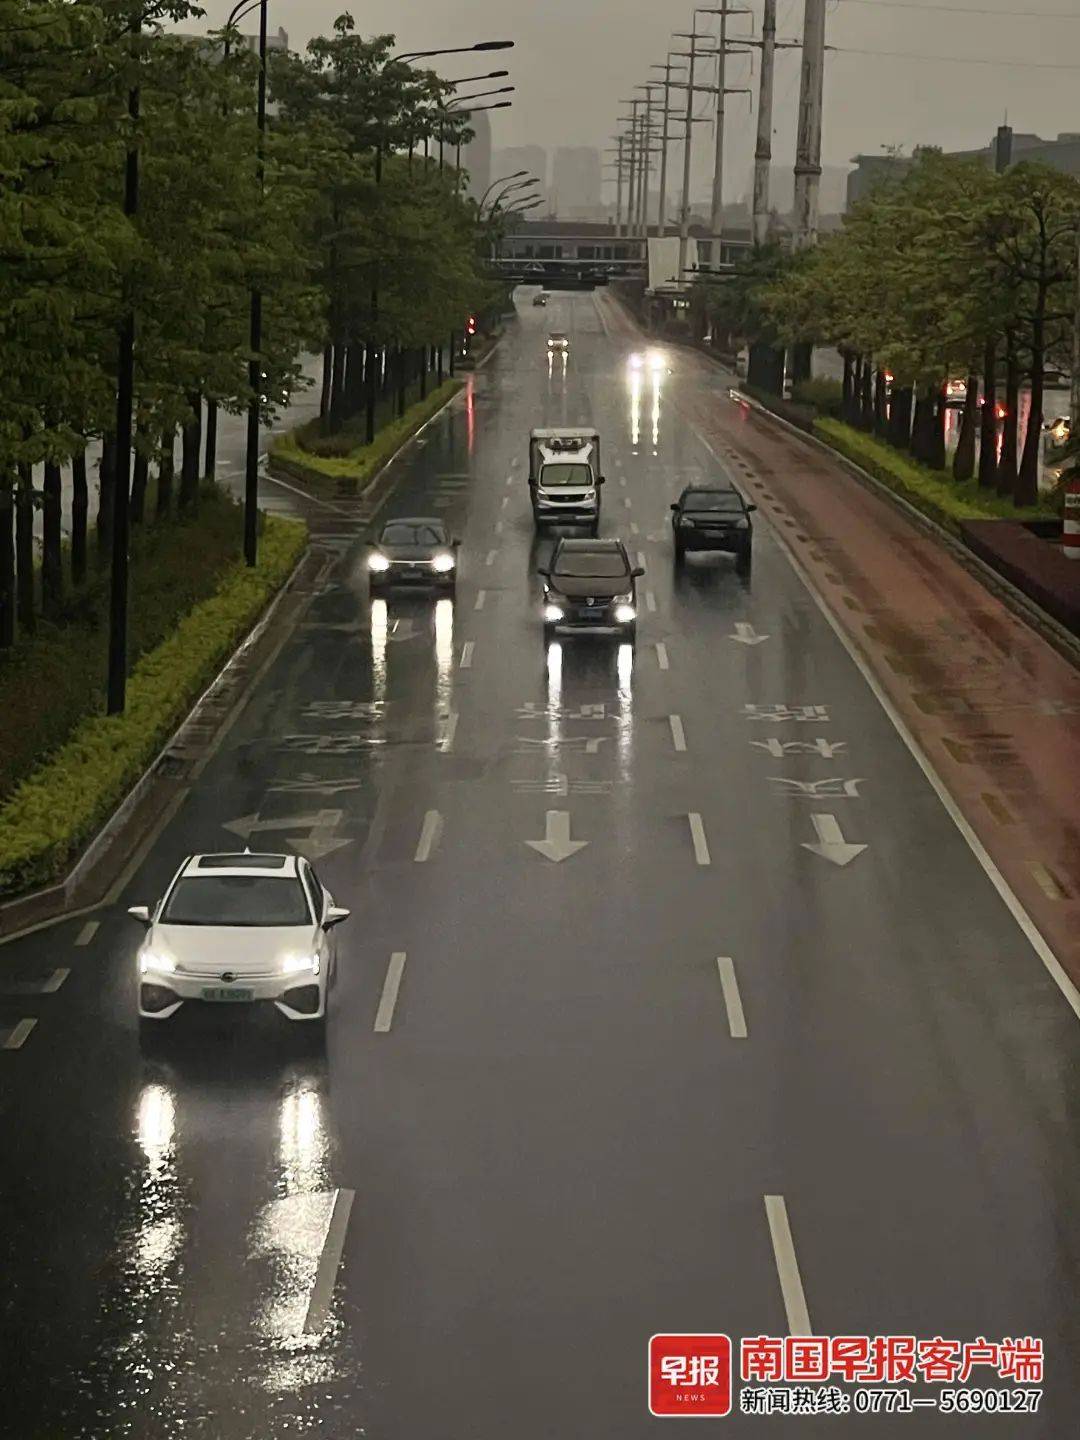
<point>476,155</point>
<point>530,158</point>
<point>575,182</point>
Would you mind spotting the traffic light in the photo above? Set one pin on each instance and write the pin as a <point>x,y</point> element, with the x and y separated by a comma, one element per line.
<point>470,328</point>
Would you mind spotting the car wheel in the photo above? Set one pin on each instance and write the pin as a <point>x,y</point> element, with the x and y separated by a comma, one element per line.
<point>680,552</point>
<point>594,529</point>
<point>629,635</point>
<point>549,633</point>
<point>743,561</point>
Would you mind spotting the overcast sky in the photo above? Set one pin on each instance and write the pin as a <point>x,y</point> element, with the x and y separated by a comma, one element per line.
<point>574,59</point>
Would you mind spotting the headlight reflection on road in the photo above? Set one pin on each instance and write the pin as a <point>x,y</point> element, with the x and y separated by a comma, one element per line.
<point>635,407</point>
<point>624,663</point>
<point>656,383</point>
<point>379,629</point>
<point>157,1233</point>
<point>444,656</point>
<point>305,1150</point>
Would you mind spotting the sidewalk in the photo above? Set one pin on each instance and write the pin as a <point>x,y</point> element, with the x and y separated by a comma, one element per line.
<point>994,708</point>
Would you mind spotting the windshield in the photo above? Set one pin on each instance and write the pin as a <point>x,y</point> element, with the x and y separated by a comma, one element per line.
<point>713,500</point>
<point>562,474</point>
<point>407,532</point>
<point>602,564</point>
<point>237,900</point>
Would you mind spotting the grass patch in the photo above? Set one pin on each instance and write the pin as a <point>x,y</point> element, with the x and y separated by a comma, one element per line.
<point>347,474</point>
<point>933,492</point>
<point>58,807</point>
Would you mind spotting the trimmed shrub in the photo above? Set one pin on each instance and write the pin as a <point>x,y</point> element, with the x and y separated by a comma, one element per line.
<point>58,807</point>
<point>821,394</point>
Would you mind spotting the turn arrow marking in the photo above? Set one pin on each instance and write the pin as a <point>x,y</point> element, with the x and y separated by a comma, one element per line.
<point>315,844</point>
<point>831,844</point>
<point>746,634</point>
<point>556,844</point>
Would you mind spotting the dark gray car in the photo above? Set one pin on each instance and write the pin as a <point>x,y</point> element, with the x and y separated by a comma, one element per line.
<point>413,550</point>
<point>709,518</point>
<point>590,585</point>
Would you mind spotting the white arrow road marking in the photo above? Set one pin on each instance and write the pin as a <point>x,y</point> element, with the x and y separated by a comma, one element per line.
<point>16,1038</point>
<point>831,844</point>
<point>481,596</point>
<point>650,601</point>
<point>391,985</point>
<point>787,1267</point>
<point>556,844</point>
<point>402,630</point>
<point>247,825</point>
<point>318,1310</point>
<point>697,835</point>
<point>732,998</point>
<point>747,635</point>
<point>87,933</point>
<point>429,836</point>
<point>661,655</point>
<point>678,735</point>
<point>446,744</point>
<point>467,654</point>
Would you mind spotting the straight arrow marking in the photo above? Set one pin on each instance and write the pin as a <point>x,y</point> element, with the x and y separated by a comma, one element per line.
<point>831,844</point>
<point>746,634</point>
<point>556,844</point>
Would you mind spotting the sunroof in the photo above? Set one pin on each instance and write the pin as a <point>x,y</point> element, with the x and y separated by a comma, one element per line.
<point>242,862</point>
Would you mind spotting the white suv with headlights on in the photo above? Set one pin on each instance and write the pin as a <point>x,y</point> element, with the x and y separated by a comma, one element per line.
<point>239,929</point>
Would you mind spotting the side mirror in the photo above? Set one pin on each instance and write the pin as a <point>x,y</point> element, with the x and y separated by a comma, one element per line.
<point>140,912</point>
<point>600,480</point>
<point>675,508</point>
<point>638,571</point>
<point>751,507</point>
<point>334,916</point>
<point>545,573</point>
<point>455,542</point>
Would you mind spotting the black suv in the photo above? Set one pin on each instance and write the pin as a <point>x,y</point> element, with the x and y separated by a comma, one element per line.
<point>708,518</point>
<point>590,585</point>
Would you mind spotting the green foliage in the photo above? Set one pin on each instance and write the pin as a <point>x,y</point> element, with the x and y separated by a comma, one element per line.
<point>821,394</point>
<point>60,805</point>
<point>943,500</point>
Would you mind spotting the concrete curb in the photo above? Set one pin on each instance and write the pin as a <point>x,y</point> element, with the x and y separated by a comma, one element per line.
<point>95,868</point>
<point>1020,604</point>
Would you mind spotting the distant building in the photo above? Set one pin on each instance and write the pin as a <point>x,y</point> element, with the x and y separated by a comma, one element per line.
<point>280,41</point>
<point>575,182</point>
<point>476,155</point>
<point>532,159</point>
<point>1061,154</point>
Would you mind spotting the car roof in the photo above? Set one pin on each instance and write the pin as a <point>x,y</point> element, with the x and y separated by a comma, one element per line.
<point>591,546</point>
<point>275,867</point>
<point>414,520</point>
<point>711,490</point>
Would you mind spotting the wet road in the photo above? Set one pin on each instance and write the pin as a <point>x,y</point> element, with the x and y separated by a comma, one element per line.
<point>554,1096</point>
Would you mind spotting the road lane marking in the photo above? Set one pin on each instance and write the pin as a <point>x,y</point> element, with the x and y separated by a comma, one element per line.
<point>17,1037</point>
<point>635,528</point>
<point>732,998</point>
<point>505,501</point>
<point>787,1267</point>
<point>467,654</point>
<point>87,933</point>
<point>626,501</point>
<point>322,1292</point>
<point>498,527</point>
<point>622,479</point>
<point>48,985</point>
<point>489,559</point>
<point>998,809</point>
<point>446,744</point>
<point>429,836</point>
<point>661,655</point>
<point>650,601</point>
<point>641,558</point>
<point>1047,882</point>
<point>481,596</point>
<point>697,835</point>
<point>392,984</point>
<point>678,735</point>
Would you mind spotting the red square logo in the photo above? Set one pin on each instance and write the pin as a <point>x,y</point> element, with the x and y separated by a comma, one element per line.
<point>690,1375</point>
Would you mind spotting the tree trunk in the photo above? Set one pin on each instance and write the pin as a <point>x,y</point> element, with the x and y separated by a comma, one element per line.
<point>327,376</point>
<point>1026,491</point>
<point>801,359</point>
<point>24,549</point>
<point>337,387</point>
<point>1006,475</point>
<point>988,425</point>
<point>765,369</point>
<point>439,363</point>
<point>856,391</point>
<point>371,392</point>
<point>106,494</point>
<point>866,397</point>
<point>847,405</point>
<point>52,552</point>
<point>936,435</point>
<point>402,379</point>
<point>923,423</point>
<point>189,461</point>
<point>140,474</point>
<point>354,380</point>
<point>7,565</point>
<point>881,408</point>
<point>422,356</point>
<point>210,469</point>
<point>964,459</point>
<point>80,505</point>
<point>900,416</point>
<point>166,468</point>
<point>450,349</point>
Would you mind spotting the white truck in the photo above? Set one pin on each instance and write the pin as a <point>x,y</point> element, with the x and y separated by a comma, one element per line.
<point>564,476</point>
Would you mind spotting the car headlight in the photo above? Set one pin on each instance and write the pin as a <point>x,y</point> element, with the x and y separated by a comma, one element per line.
<point>294,964</point>
<point>378,562</point>
<point>656,360</point>
<point>636,362</point>
<point>624,614</point>
<point>553,612</point>
<point>150,962</point>
<point>443,563</point>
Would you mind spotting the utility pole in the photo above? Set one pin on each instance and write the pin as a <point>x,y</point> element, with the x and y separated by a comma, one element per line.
<point>661,209</point>
<point>1074,405</point>
<point>650,151</point>
<point>808,141</point>
<point>255,374</point>
<point>763,150</point>
<point>716,222</point>
<point>684,210</point>
<point>620,140</point>
<point>631,196</point>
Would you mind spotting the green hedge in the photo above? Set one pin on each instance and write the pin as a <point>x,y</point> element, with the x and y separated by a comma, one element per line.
<point>346,475</point>
<point>824,395</point>
<point>64,802</point>
<point>932,491</point>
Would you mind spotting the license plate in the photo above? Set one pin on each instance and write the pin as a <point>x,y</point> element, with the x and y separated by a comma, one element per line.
<point>227,992</point>
<point>592,612</point>
<point>718,534</point>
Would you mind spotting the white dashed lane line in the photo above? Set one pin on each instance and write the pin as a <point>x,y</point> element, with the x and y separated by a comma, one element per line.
<point>87,933</point>
<point>661,655</point>
<point>384,1016</point>
<point>678,735</point>
<point>481,596</point>
<point>697,836</point>
<point>650,601</point>
<point>16,1038</point>
<point>44,985</point>
<point>787,1267</point>
<point>429,836</point>
<point>467,654</point>
<point>732,999</point>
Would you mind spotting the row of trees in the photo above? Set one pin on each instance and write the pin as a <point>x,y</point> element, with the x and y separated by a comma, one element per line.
<point>359,247</point>
<point>951,271</point>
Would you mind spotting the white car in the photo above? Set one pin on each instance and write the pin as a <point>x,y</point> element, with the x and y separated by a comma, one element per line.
<point>239,929</point>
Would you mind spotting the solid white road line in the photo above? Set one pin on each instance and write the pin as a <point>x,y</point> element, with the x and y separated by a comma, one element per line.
<point>481,596</point>
<point>87,933</point>
<point>17,1037</point>
<point>467,654</point>
<point>446,744</point>
<point>650,601</point>
<point>429,836</point>
<point>732,998</point>
<point>641,558</point>
<point>489,559</point>
<point>661,655</point>
<point>322,1292</point>
<point>678,735</point>
<point>385,1014</point>
<point>787,1267</point>
<point>697,835</point>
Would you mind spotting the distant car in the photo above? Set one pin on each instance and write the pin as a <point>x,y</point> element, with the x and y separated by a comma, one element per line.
<point>713,518</point>
<point>540,299</point>
<point>414,550</point>
<point>590,585</point>
<point>558,341</point>
<point>239,929</point>
<point>955,392</point>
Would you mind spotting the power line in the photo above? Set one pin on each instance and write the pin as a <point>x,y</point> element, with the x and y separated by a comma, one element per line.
<point>956,59</point>
<point>965,9</point>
